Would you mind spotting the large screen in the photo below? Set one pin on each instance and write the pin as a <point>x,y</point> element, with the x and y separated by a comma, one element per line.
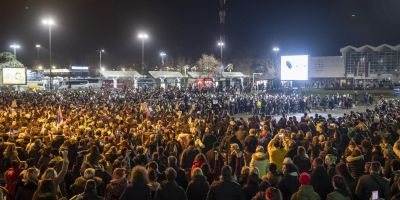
<point>14,76</point>
<point>294,67</point>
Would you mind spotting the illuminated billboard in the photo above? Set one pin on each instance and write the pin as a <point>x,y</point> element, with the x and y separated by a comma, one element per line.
<point>294,67</point>
<point>14,76</point>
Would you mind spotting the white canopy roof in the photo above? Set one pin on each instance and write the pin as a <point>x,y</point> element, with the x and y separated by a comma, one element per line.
<point>233,75</point>
<point>46,71</point>
<point>165,74</point>
<point>367,47</point>
<point>120,74</point>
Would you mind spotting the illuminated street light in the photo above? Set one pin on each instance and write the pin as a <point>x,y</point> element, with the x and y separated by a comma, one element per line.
<point>15,47</point>
<point>38,46</point>
<point>123,69</point>
<point>54,67</point>
<point>276,49</point>
<point>162,54</point>
<point>103,69</point>
<point>143,36</point>
<point>221,44</point>
<point>49,22</point>
<point>40,67</point>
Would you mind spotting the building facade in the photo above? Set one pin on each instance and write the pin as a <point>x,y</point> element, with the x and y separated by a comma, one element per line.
<point>372,63</point>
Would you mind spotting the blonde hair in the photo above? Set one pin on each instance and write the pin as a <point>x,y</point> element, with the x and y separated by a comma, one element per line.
<point>31,175</point>
<point>245,170</point>
<point>196,172</point>
<point>50,173</point>
<point>260,149</point>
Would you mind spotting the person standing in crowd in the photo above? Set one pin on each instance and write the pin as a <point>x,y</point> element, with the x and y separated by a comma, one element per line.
<point>30,180</point>
<point>47,190</point>
<point>169,189</point>
<point>198,186</point>
<point>321,181</point>
<point>289,182</point>
<point>90,192</point>
<point>137,188</point>
<point>226,188</point>
<point>301,160</point>
<point>340,190</point>
<point>260,161</point>
<point>306,190</point>
<point>117,184</point>
<point>373,182</point>
<point>250,189</point>
<point>276,150</point>
<point>188,156</point>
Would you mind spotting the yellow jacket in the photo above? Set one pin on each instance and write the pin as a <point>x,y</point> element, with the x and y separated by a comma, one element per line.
<point>276,154</point>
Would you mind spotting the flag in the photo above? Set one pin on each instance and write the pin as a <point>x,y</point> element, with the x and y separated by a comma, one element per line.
<point>59,115</point>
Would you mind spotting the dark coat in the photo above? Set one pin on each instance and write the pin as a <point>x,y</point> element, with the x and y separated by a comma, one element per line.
<point>170,190</point>
<point>137,192</point>
<point>250,143</point>
<point>250,191</point>
<point>208,141</point>
<point>115,189</point>
<point>321,182</point>
<point>355,165</point>
<point>303,163</point>
<point>198,188</point>
<point>288,186</point>
<point>225,190</point>
<point>26,191</point>
<point>188,156</point>
<point>372,182</point>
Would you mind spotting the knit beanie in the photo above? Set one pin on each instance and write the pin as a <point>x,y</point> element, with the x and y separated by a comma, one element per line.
<point>305,178</point>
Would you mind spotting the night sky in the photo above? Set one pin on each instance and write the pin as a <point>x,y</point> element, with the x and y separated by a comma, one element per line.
<point>188,28</point>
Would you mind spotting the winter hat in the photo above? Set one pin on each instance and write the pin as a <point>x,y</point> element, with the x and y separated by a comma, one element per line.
<point>305,178</point>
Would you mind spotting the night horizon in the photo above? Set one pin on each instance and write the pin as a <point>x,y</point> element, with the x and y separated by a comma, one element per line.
<point>187,29</point>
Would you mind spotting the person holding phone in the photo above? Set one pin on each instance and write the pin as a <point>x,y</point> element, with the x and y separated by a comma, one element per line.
<point>373,183</point>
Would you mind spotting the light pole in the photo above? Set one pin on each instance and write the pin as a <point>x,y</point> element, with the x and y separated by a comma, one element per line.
<point>15,47</point>
<point>143,36</point>
<point>49,22</point>
<point>38,46</point>
<point>221,45</point>
<point>276,51</point>
<point>100,52</point>
<point>162,54</point>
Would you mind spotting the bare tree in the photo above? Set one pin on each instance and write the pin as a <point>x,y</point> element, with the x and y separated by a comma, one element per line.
<point>207,63</point>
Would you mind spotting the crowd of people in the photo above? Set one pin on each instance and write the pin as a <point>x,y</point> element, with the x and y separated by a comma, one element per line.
<point>180,144</point>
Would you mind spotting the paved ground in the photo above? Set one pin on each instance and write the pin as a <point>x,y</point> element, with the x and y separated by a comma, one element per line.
<point>335,112</point>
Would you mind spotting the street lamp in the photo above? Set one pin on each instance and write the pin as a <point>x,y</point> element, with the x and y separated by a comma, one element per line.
<point>143,36</point>
<point>38,46</point>
<point>221,44</point>
<point>49,22</point>
<point>103,69</point>
<point>100,52</point>
<point>15,47</point>
<point>276,50</point>
<point>162,54</point>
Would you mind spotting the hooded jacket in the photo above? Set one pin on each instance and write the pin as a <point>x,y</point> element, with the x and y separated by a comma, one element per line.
<point>260,160</point>
<point>198,188</point>
<point>305,192</point>
<point>276,154</point>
